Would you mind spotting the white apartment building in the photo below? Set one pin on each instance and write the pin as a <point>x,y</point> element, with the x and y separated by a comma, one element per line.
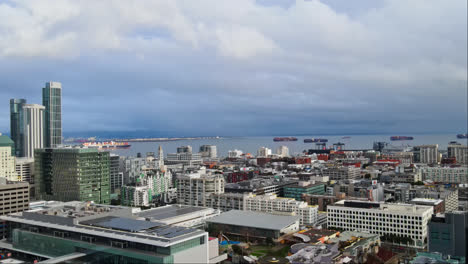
<point>196,189</point>
<point>33,128</point>
<point>342,173</point>
<point>445,174</point>
<point>459,151</point>
<point>263,152</point>
<point>429,154</point>
<point>7,164</point>
<point>404,220</point>
<point>135,195</point>
<point>25,169</point>
<point>185,158</point>
<point>235,153</point>
<point>282,151</point>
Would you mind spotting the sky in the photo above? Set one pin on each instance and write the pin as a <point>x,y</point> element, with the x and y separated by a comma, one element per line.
<point>238,68</point>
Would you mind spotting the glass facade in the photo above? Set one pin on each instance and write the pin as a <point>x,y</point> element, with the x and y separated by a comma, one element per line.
<point>16,108</point>
<point>297,191</point>
<point>52,100</point>
<point>73,175</point>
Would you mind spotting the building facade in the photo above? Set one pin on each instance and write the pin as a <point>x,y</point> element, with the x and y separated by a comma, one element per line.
<point>32,129</point>
<point>448,233</point>
<point>184,158</point>
<point>282,151</point>
<point>459,152</point>
<point>14,196</point>
<point>428,154</point>
<point>445,174</point>
<point>16,108</point>
<point>401,220</point>
<point>197,189</point>
<point>25,169</point>
<point>263,152</point>
<point>208,151</point>
<point>7,164</point>
<point>116,177</point>
<point>52,100</point>
<point>72,174</point>
<point>303,188</point>
<point>342,173</point>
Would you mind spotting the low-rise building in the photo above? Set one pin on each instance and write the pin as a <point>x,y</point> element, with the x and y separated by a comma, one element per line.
<point>445,174</point>
<point>302,188</point>
<point>406,221</point>
<point>14,196</point>
<point>249,225</point>
<point>342,173</point>
<point>437,204</point>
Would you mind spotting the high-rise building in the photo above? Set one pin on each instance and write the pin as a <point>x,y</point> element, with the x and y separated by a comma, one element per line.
<point>184,149</point>
<point>52,100</point>
<point>448,233</point>
<point>7,160</point>
<point>32,129</point>
<point>235,153</point>
<point>197,189</point>
<point>5,141</point>
<point>263,152</point>
<point>208,151</point>
<point>16,107</point>
<point>25,169</point>
<point>459,152</point>
<point>116,177</point>
<point>428,154</point>
<point>14,196</point>
<point>282,151</point>
<point>70,174</point>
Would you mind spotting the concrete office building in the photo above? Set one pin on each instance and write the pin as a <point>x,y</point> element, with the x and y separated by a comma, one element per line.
<point>131,168</point>
<point>428,154</point>
<point>14,196</point>
<point>282,151</point>
<point>135,195</point>
<point>196,189</point>
<point>459,152</point>
<point>403,220</point>
<point>25,169</point>
<point>81,232</point>
<point>70,174</point>
<point>448,233</point>
<point>263,152</point>
<point>184,149</point>
<point>7,164</point>
<point>445,174</point>
<point>208,151</point>
<point>184,158</point>
<point>16,108</point>
<point>32,129</point>
<point>235,153</point>
<point>342,173</point>
<point>52,100</point>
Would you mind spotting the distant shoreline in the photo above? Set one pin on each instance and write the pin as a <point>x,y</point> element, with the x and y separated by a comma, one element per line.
<point>153,139</point>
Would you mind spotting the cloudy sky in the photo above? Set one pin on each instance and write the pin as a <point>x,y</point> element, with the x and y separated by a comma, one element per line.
<point>243,67</point>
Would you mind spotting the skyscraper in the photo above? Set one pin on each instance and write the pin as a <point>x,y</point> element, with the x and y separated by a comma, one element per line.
<point>32,129</point>
<point>52,100</point>
<point>16,107</point>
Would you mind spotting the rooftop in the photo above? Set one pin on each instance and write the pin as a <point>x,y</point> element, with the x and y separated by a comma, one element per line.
<point>254,219</point>
<point>170,211</point>
<point>381,206</point>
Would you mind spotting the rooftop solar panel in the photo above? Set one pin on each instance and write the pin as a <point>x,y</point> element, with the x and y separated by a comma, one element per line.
<point>119,223</point>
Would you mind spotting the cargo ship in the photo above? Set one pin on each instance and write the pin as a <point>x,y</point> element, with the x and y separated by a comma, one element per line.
<point>394,138</point>
<point>276,139</point>
<point>462,136</point>
<point>315,140</point>
<point>106,145</point>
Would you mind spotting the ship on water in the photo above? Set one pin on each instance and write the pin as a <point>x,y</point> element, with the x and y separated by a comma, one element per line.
<point>277,139</point>
<point>106,145</point>
<point>315,140</point>
<point>462,136</point>
<point>394,138</point>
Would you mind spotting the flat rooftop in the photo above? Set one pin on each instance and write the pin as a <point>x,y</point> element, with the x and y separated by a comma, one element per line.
<point>254,219</point>
<point>381,206</point>
<point>170,211</point>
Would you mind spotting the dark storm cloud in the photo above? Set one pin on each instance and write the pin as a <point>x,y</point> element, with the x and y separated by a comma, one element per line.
<point>244,67</point>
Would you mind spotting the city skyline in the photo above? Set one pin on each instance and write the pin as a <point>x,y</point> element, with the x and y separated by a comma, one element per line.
<point>184,69</point>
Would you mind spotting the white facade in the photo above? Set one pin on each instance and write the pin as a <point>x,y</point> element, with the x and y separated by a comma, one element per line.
<point>429,154</point>
<point>208,151</point>
<point>235,153</point>
<point>197,189</point>
<point>263,152</point>
<point>445,174</point>
<point>7,164</point>
<point>25,169</point>
<point>403,220</point>
<point>460,152</point>
<point>135,195</point>
<point>185,158</point>
<point>33,128</point>
<point>342,173</point>
<point>282,151</point>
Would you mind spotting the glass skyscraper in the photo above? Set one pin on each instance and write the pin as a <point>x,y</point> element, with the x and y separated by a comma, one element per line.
<point>52,100</point>
<point>16,108</point>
